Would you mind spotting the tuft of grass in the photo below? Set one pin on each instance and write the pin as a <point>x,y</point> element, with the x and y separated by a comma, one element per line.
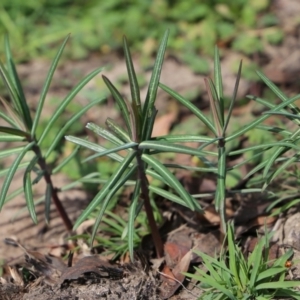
<point>234,276</point>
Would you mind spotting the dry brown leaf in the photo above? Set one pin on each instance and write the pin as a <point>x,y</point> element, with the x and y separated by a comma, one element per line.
<point>164,122</point>
<point>172,280</point>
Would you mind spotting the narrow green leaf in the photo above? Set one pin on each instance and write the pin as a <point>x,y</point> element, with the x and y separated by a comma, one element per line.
<point>191,107</point>
<point>210,169</point>
<point>218,117</point>
<point>280,94</point>
<point>12,172</point>
<point>104,133</point>
<point>233,99</point>
<point>153,84</point>
<point>183,138</point>
<point>285,114</point>
<point>259,120</point>
<point>149,124</point>
<point>98,148</point>
<point>158,147</point>
<point>11,115</point>
<point>131,219</point>
<point>277,285</point>
<point>70,122</point>
<point>256,260</point>
<point>172,181</point>
<point>11,89</point>
<point>15,81</point>
<point>14,131</point>
<point>8,119</point>
<point>47,85</point>
<point>283,258</point>
<point>113,156</point>
<point>14,194</point>
<point>12,70</point>
<point>273,129</point>
<point>134,87</point>
<point>118,183</point>
<point>121,103</point>
<point>265,103</point>
<point>213,283</point>
<point>269,273</point>
<point>234,265</point>
<point>66,101</point>
<point>117,130</point>
<point>277,153</point>
<point>105,189</point>
<point>266,147</point>
<point>28,189</point>
<point>218,74</point>
<point>167,195</point>
<point>167,147</point>
<point>256,169</point>
<point>3,172</point>
<point>11,138</point>
<point>7,152</point>
<point>284,166</point>
<point>66,160</point>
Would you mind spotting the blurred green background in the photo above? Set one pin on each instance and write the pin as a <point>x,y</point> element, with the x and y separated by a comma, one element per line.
<point>36,28</point>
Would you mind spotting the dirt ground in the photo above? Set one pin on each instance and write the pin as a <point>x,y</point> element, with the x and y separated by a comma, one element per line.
<point>279,63</point>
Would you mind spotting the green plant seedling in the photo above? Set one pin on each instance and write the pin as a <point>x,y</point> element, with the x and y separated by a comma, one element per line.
<point>22,127</point>
<point>135,138</point>
<point>233,276</point>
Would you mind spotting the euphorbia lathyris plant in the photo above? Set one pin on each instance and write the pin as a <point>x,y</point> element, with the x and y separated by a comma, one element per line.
<point>21,126</point>
<point>139,161</point>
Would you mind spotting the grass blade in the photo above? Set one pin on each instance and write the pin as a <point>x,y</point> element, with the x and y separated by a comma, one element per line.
<point>232,249</point>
